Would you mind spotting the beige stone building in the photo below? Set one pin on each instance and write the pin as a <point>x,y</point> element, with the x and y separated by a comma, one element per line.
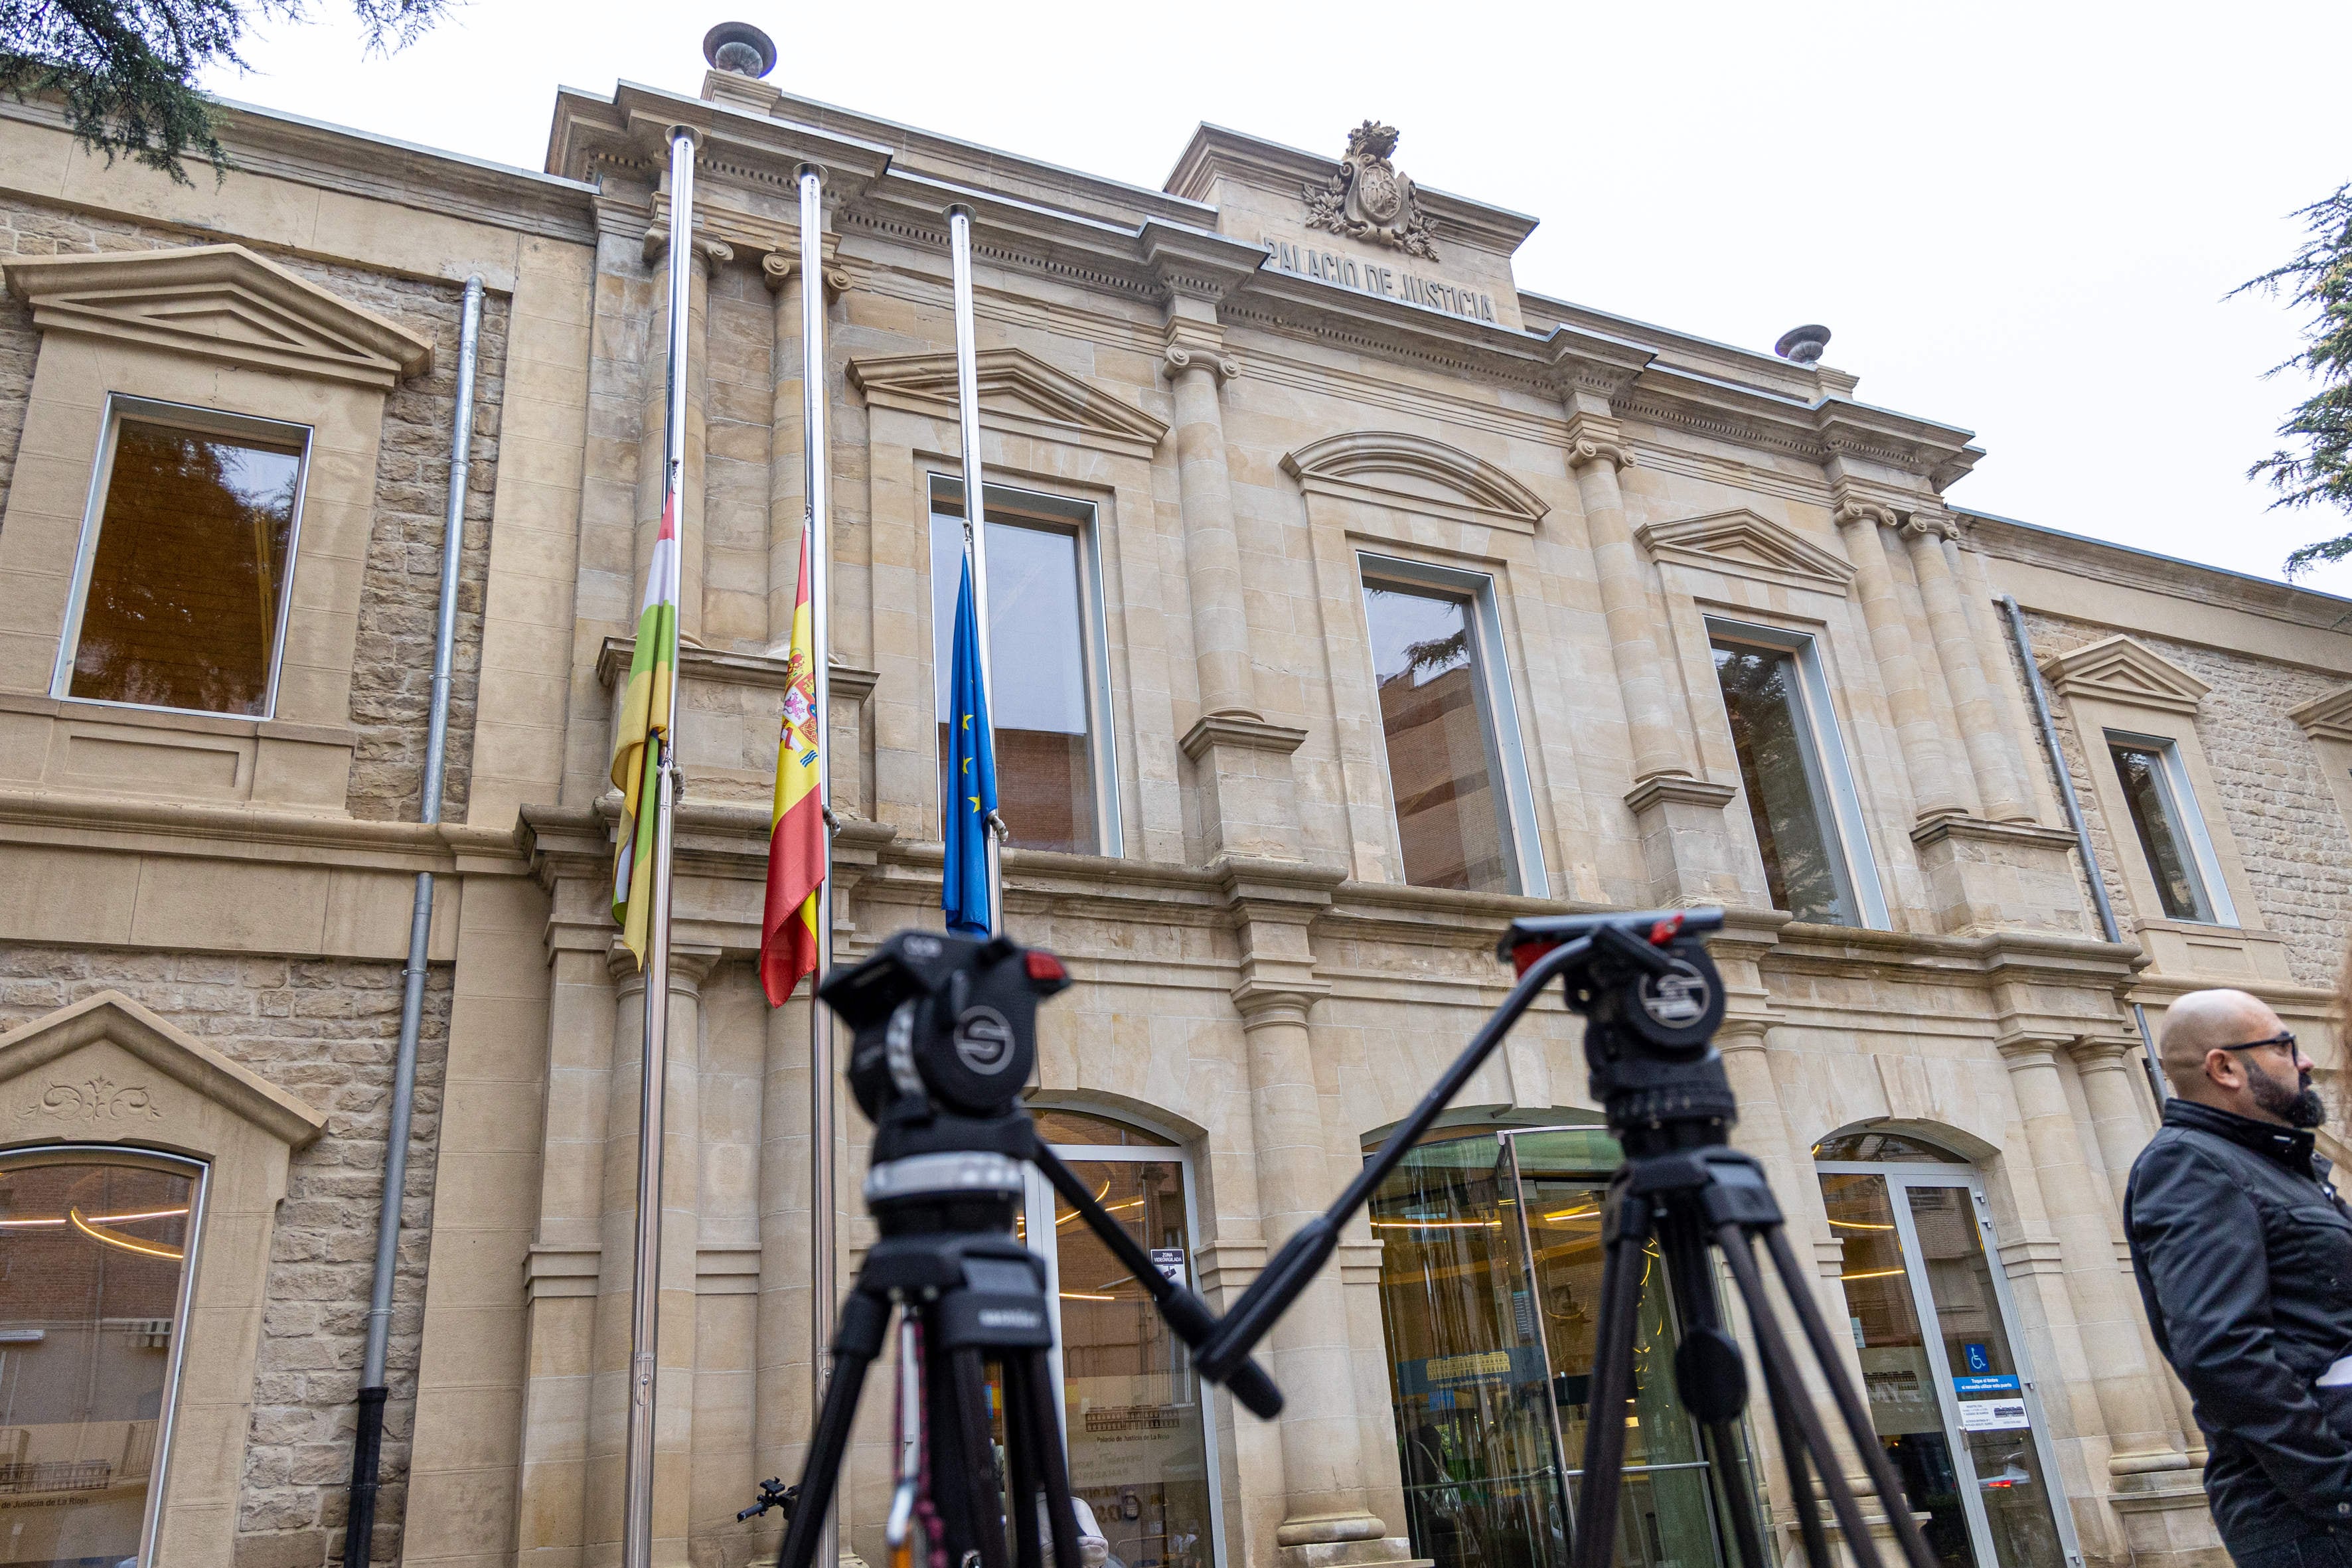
<point>1351,600</point>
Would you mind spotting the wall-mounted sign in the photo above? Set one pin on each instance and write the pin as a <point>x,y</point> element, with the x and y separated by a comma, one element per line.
<point>1976,1388</point>
<point>1388,282</point>
<point>1992,1415</point>
<point>1170,1261</point>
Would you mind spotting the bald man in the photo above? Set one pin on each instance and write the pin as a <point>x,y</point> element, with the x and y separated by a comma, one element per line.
<point>2243,1254</point>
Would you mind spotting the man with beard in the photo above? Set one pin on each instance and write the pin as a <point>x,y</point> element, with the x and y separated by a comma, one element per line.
<point>2243,1254</point>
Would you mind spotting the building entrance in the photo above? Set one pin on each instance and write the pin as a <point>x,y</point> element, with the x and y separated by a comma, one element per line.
<point>1950,1394</point>
<point>1490,1285</point>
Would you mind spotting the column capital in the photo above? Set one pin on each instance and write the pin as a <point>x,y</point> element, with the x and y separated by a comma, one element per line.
<point>1262,1002</point>
<point>1924,524</point>
<point>2097,1053</point>
<point>1180,358</point>
<point>689,965</point>
<point>2028,1050</point>
<point>713,254</point>
<point>1597,438</point>
<point>1853,512</point>
<point>778,267</point>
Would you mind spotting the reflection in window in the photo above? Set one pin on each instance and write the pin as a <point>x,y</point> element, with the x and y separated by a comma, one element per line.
<point>186,575</point>
<point>1780,769</point>
<point>92,1253</point>
<point>2163,837</point>
<point>1039,657</point>
<point>1442,763</point>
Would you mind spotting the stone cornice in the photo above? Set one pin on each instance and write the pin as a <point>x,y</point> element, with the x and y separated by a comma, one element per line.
<point>1978,830</point>
<point>2327,717</point>
<point>151,827</point>
<point>2007,539</point>
<point>1743,543</point>
<point>1018,391</point>
<point>1678,790</point>
<point>1249,734</point>
<point>1195,262</point>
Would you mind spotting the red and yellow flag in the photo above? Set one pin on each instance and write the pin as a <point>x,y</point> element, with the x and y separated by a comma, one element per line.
<point>796,842</point>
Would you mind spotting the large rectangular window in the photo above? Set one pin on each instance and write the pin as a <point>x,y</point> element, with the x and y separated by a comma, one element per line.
<point>1454,769</point>
<point>2171,834</point>
<point>1792,770</point>
<point>180,586</point>
<point>1046,668</point>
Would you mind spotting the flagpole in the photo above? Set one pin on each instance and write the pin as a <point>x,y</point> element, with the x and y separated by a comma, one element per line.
<point>975,513</point>
<point>818,525</point>
<point>644,1288</point>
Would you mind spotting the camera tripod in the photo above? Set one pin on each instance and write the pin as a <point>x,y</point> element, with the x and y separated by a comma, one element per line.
<point>945,1040</point>
<point>1652,1000</point>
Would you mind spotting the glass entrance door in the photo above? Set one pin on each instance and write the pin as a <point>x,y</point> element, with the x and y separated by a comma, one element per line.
<point>1950,1394</point>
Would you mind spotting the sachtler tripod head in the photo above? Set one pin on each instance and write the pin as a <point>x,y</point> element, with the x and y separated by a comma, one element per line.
<point>1652,1001</point>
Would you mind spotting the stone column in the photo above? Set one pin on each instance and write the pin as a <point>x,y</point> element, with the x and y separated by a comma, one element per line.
<point>651,475</point>
<point>1212,557</point>
<point>2111,1071</point>
<point>609,1395</point>
<point>1596,450</point>
<point>1932,790</point>
<point>2137,1416</point>
<point>1980,719</point>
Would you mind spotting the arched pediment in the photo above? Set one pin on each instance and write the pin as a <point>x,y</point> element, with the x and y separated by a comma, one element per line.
<point>1744,544</point>
<point>1018,393</point>
<point>220,301</point>
<point>1389,468</point>
<point>108,1070</point>
<point>2120,670</point>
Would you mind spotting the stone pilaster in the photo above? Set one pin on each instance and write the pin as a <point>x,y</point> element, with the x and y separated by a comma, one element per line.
<point>1597,448</point>
<point>780,270</point>
<point>1932,792</point>
<point>608,1405</point>
<point>2137,1416</point>
<point>652,475</point>
<point>1973,709</point>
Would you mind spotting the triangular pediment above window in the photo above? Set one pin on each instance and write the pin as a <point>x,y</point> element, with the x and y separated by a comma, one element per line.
<point>2327,717</point>
<point>1745,544</point>
<point>2119,669</point>
<point>1018,393</point>
<point>108,1070</point>
<point>218,301</point>
<point>1389,468</point>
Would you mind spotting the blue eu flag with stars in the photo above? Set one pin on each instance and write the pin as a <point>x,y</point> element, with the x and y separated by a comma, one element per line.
<point>972,777</point>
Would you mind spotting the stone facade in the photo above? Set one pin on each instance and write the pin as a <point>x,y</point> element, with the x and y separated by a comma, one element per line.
<point>1239,426</point>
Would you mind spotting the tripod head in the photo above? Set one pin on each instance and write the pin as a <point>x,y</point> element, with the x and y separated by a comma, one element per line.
<point>1652,1000</point>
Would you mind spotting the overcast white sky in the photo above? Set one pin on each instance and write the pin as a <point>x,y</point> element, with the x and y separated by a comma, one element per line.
<point>2017,218</point>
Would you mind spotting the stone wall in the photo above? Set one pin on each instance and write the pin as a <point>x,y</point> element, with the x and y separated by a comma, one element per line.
<point>2291,833</point>
<point>325,1030</point>
<point>392,678</point>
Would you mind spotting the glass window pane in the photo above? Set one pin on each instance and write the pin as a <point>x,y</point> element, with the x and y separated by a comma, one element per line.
<point>1896,1373</point>
<point>1441,756</point>
<point>90,1261</point>
<point>1883,1147</point>
<point>188,572</point>
<point>1139,1451</point>
<point>2017,1497</point>
<point>1804,865</point>
<point>2161,839</point>
<point>1060,1128</point>
<point>1037,675</point>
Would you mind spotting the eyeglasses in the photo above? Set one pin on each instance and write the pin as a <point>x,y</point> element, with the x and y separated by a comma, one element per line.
<point>2281,1038</point>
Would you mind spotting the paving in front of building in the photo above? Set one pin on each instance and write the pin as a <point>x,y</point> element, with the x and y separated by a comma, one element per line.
<point>1350,601</point>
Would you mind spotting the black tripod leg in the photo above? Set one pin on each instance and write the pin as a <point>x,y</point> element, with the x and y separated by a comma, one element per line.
<point>1773,1346</point>
<point>1021,1440</point>
<point>1849,1402</point>
<point>1612,1385</point>
<point>865,1318</point>
<point>970,1426</point>
<point>1800,1478</point>
<point>1708,1370</point>
<point>1051,1461</point>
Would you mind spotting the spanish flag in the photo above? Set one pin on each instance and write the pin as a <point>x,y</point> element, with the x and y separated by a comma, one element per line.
<point>796,827</point>
<point>644,713</point>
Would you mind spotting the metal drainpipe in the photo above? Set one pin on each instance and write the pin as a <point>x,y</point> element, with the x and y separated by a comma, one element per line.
<point>360,1529</point>
<point>2067,799</point>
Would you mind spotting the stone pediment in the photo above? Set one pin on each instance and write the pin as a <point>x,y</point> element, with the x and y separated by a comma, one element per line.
<point>2119,669</point>
<point>1743,544</point>
<point>1018,393</point>
<point>219,301</point>
<point>2327,717</point>
<point>1389,468</point>
<point>108,1070</point>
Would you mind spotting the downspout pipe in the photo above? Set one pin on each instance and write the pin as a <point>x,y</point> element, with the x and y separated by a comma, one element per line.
<point>2066,798</point>
<point>367,1452</point>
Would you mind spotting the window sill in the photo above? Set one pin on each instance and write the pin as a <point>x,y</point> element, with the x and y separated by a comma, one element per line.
<point>2216,953</point>
<point>172,719</point>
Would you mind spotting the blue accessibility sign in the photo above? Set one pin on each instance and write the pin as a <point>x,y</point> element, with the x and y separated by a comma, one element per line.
<point>1979,1359</point>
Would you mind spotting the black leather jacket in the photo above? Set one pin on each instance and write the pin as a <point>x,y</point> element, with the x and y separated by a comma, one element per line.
<point>2243,1254</point>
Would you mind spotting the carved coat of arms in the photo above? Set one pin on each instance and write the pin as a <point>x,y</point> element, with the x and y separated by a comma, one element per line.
<point>1371,198</point>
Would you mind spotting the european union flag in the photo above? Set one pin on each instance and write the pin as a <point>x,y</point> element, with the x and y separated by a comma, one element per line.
<point>972,777</point>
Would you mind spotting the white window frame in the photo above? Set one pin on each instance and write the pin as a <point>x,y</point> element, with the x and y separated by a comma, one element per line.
<point>198,421</point>
<point>1855,852</point>
<point>1507,760</point>
<point>198,1173</point>
<point>2179,799</point>
<point>1083,519</point>
<point>1038,1199</point>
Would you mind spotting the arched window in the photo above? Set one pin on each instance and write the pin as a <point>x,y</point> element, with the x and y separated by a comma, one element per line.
<point>95,1252</point>
<point>1141,1448</point>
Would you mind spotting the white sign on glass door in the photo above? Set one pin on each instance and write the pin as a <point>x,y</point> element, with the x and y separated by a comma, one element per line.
<point>1992,1415</point>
